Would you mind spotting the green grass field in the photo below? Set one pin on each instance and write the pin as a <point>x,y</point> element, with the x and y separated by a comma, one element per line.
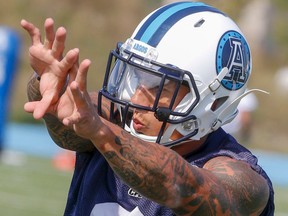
<point>37,188</point>
<point>281,200</point>
<point>33,188</point>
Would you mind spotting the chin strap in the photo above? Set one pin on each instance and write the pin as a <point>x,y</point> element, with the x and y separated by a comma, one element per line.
<point>221,118</point>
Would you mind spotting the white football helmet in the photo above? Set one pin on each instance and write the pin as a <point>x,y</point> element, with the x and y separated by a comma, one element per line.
<point>189,43</point>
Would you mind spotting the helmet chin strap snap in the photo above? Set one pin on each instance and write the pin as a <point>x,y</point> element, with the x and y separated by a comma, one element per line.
<point>215,84</point>
<point>162,113</point>
<point>216,124</point>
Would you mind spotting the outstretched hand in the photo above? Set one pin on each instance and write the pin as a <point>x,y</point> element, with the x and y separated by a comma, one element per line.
<point>47,60</point>
<point>84,118</point>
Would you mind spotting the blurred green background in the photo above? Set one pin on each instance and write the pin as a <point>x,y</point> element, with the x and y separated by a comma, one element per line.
<point>95,27</point>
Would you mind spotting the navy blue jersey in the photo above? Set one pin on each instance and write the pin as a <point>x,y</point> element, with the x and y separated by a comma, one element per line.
<point>96,190</point>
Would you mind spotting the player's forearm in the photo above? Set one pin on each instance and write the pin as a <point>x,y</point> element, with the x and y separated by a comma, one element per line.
<point>65,137</point>
<point>162,175</point>
<point>33,92</point>
<point>156,172</point>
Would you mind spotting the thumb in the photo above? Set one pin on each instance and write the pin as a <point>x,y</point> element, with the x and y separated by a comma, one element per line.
<point>42,106</point>
<point>30,106</point>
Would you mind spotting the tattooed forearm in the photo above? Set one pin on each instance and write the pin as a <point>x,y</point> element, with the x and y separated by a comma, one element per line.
<point>33,92</point>
<point>65,137</point>
<point>135,171</point>
<point>163,176</point>
<point>155,171</point>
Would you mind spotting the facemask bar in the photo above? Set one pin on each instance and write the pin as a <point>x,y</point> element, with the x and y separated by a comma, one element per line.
<point>163,114</point>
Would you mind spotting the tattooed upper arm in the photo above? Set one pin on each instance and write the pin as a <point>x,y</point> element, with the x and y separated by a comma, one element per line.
<point>243,186</point>
<point>228,187</point>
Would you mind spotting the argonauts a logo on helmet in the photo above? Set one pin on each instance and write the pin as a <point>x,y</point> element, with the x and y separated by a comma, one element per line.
<point>233,52</point>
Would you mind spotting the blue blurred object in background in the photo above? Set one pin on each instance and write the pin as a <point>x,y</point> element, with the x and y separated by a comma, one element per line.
<point>9,56</point>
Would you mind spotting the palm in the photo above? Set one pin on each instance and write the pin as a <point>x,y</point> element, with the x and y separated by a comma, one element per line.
<point>51,86</point>
<point>64,107</point>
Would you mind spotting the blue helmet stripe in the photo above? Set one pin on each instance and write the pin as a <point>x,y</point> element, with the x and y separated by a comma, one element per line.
<point>169,22</point>
<point>151,19</point>
<point>158,21</point>
<point>155,28</point>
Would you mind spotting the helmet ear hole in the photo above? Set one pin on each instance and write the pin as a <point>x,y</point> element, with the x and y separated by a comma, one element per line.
<point>218,103</point>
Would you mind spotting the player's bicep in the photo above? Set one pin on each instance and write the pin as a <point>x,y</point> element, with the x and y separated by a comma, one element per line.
<point>243,185</point>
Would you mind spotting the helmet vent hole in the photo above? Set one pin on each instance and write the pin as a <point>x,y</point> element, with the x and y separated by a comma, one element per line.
<point>199,23</point>
<point>218,103</point>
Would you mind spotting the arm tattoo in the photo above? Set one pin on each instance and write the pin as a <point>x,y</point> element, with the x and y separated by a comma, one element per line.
<point>160,175</point>
<point>163,176</point>
<point>241,182</point>
<point>133,170</point>
<point>33,92</point>
<point>65,137</point>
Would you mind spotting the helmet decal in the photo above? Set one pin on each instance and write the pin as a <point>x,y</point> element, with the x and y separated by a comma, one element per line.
<point>233,52</point>
<point>159,23</point>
